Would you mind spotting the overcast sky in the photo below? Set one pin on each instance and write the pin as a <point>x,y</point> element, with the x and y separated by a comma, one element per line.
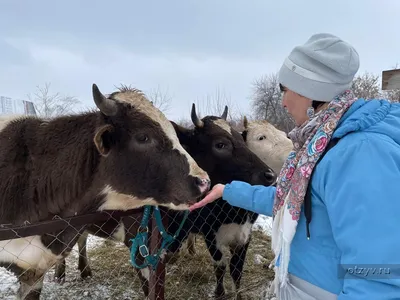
<point>187,48</point>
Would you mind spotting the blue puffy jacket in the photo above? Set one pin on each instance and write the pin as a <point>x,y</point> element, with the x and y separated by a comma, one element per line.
<point>355,208</point>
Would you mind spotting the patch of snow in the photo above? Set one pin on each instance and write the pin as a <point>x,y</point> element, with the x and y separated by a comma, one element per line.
<point>93,242</point>
<point>8,284</point>
<point>264,224</point>
<point>259,259</point>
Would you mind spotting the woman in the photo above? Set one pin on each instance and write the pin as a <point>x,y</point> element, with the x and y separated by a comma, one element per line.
<point>355,194</point>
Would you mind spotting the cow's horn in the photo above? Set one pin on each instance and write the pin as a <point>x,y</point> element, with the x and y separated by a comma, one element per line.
<point>106,106</point>
<point>195,119</point>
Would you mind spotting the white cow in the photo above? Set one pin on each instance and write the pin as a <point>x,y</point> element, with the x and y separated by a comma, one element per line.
<point>267,142</point>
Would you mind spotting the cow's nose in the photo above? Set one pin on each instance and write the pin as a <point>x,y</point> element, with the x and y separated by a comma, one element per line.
<point>270,176</point>
<point>204,184</point>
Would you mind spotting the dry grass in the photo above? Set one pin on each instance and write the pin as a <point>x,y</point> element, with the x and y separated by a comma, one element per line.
<point>190,277</point>
<point>193,277</point>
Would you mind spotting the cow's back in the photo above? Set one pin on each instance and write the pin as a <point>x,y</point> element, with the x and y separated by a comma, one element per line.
<point>15,166</point>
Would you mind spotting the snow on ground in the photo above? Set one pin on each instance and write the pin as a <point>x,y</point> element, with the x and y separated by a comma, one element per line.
<point>8,284</point>
<point>264,224</point>
<point>92,242</point>
<point>51,290</point>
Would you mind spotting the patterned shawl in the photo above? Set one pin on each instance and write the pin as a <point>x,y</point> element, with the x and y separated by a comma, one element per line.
<point>309,142</point>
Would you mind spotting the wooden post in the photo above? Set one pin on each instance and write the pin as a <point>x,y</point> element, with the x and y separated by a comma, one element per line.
<point>157,277</point>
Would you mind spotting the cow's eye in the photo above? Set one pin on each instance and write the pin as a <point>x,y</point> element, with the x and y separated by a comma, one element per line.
<point>142,138</point>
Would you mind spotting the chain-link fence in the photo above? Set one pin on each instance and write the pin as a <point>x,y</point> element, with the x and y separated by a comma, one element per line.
<point>99,262</point>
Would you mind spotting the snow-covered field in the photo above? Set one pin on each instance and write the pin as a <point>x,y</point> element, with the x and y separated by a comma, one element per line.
<point>101,287</point>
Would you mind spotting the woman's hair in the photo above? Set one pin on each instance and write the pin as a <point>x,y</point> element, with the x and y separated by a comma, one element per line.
<point>314,104</point>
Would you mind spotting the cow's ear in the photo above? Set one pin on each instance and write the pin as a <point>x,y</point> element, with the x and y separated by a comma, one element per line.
<point>103,139</point>
<point>184,134</point>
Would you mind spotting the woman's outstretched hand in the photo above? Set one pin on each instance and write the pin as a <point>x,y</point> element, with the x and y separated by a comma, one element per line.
<point>212,195</point>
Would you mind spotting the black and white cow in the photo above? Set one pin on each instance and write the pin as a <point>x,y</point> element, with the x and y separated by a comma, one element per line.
<point>121,157</point>
<point>222,152</point>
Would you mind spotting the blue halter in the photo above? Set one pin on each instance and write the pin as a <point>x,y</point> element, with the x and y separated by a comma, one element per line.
<point>139,242</point>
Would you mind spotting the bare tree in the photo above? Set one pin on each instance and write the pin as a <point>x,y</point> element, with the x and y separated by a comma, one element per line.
<point>215,105</point>
<point>367,86</point>
<point>393,95</point>
<point>160,99</point>
<point>267,102</point>
<point>52,105</point>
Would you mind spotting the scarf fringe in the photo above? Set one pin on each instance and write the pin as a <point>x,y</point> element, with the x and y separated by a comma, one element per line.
<point>284,263</point>
<point>281,273</point>
<point>281,248</point>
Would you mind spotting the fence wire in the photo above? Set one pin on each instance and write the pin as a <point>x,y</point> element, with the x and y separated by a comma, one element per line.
<point>99,264</point>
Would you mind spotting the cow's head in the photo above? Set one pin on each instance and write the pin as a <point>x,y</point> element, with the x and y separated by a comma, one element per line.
<point>142,161</point>
<point>221,150</point>
<point>268,142</point>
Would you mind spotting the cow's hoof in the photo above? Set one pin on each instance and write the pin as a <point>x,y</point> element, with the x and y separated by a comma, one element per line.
<point>87,272</point>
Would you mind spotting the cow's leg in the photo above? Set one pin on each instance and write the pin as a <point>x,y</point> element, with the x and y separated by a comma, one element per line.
<point>144,276</point>
<point>31,284</point>
<point>83,264</point>
<point>173,252</point>
<point>219,265</point>
<point>59,272</point>
<point>191,244</point>
<point>236,265</point>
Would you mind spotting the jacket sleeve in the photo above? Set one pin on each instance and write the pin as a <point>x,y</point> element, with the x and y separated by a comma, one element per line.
<point>256,198</point>
<point>362,196</point>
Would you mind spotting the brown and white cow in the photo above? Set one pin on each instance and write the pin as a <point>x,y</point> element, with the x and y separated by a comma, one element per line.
<point>122,157</point>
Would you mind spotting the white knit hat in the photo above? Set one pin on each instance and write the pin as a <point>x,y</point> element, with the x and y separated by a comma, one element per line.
<point>320,69</point>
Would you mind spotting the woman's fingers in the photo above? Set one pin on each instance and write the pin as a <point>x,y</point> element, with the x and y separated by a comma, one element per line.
<point>213,195</point>
<point>207,199</point>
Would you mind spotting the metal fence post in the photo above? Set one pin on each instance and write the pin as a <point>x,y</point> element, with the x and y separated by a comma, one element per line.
<point>157,277</point>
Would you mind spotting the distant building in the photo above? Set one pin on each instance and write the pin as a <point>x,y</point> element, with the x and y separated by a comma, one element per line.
<point>9,106</point>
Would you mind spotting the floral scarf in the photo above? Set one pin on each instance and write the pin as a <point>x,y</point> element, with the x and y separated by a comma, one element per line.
<point>310,141</point>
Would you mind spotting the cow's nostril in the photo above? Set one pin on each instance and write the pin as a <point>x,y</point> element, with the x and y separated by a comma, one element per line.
<point>203,184</point>
<point>198,180</point>
<point>270,176</point>
<point>202,181</point>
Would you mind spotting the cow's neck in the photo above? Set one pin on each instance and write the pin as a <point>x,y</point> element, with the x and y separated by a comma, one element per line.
<point>68,167</point>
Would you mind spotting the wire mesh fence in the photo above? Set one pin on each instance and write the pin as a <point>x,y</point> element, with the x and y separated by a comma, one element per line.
<point>98,264</point>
